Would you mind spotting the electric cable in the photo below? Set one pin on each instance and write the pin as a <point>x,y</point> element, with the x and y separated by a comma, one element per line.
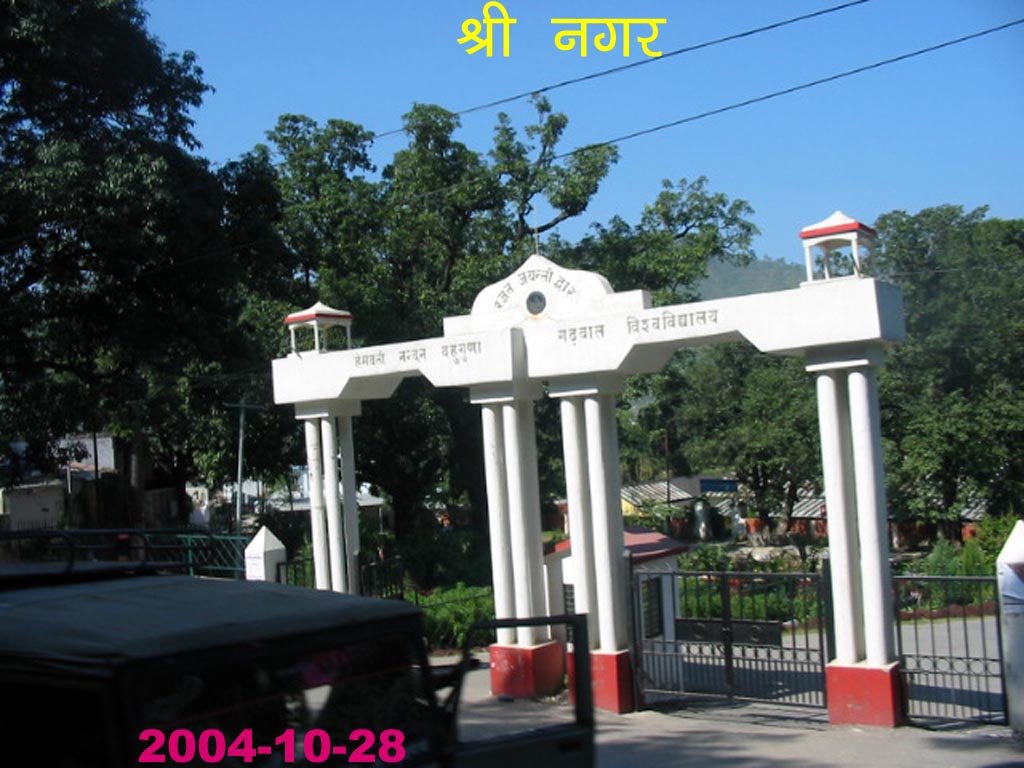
<point>745,103</point>
<point>792,89</point>
<point>643,62</point>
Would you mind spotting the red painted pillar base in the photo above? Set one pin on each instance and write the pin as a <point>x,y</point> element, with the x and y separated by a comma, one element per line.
<point>527,671</point>
<point>612,675</point>
<point>863,695</point>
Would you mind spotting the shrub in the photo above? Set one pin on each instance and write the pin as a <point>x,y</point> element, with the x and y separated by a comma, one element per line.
<point>992,535</point>
<point>705,557</point>
<point>450,612</point>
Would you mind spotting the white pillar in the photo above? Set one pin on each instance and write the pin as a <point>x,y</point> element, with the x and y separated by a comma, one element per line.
<point>872,516</point>
<point>263,555</point>
<point>314,461</point>
<point>616,526</point>
<point>554,580</point>
<point>577,490</point>
<point>602,459</point>
<point>351,501</point>
<point>528,579</point>
<point>669,610</point>
<point>498,518</point>
<point>335,529</point>
<point>842,514</point>
<point>534,526</point>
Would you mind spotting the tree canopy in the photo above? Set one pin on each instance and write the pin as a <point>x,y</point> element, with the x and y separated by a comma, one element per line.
<point>143,291</point>
<point>952,393</point>
<point>120,256</point>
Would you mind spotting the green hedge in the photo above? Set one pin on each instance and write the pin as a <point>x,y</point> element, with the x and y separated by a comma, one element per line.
<point>450,612</point>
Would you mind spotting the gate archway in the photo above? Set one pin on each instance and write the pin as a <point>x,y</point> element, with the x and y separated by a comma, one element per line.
<point>568,331</point>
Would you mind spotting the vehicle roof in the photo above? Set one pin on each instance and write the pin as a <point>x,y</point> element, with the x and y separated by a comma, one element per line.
<point>94,626</point>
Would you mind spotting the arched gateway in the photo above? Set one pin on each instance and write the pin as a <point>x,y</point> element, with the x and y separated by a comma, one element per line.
<point>568,330</point>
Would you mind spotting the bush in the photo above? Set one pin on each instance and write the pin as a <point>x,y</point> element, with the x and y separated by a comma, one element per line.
<point>705,557</point>
<point>992,535</point>
<point>450,612</point>
<point>657,516</point>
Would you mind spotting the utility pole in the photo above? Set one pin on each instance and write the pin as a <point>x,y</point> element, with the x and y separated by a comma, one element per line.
<point>242,408</point>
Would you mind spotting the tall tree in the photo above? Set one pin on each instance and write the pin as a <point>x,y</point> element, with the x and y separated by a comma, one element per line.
<point>952,393</point>
<point>685,228</point>
<point>734,411</point>
<point>118,283</point>
<point>405,250</point>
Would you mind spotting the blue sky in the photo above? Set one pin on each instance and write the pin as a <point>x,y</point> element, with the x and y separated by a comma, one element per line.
<point>942,128</point>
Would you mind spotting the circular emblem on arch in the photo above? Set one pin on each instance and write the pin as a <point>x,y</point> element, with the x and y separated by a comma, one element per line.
<point>536,302</point>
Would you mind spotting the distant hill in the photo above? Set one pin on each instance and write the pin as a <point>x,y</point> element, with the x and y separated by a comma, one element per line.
<point>760,276</point>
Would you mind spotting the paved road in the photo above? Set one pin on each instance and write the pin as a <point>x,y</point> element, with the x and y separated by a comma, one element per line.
<point>745,736</point>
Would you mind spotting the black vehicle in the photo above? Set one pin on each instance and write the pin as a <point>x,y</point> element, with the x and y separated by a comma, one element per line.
<point>115,665</point>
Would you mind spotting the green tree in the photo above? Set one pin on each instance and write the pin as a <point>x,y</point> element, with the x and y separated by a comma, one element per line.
<point>735,411</point>
<point>952,400</point>
<point>686,228</point>
<point>121,253</point>
<point>413,246</point>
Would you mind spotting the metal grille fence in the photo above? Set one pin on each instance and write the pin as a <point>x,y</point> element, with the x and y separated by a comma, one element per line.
<point>949,641</point>
<point>735,634</point>
<point>194,552</point>
<point>298,571</point>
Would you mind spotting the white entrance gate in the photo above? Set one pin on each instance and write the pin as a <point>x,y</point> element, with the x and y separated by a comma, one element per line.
<point>568,330</point>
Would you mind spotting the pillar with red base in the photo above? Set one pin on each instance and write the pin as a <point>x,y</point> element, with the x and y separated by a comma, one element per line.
<point>860,694</point>
<point>527,671</point>
<point>612,680</point>
<point>863,684</point>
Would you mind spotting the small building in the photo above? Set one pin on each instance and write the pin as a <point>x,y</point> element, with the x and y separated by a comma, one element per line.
<point>808,517</point>
<point>647,550</point>
<point>32,506</point>
<point>706,504</point>
<point>637,496</point>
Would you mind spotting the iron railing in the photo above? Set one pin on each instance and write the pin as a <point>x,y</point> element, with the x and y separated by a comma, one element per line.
<point>61,552</point>
<point>298,571</point>
<point>379,578</point>
<point>737,634</point>
<point>949,643</point>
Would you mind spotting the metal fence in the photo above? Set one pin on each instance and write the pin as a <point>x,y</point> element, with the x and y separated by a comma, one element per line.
<point>742,635</point>
<point>950,645</point>
<point>298,571</point>
<point>382,578</point>
<point>379,578</point>
<point>195,552</point>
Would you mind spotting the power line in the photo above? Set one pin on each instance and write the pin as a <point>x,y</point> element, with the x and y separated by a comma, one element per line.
<point>643,62</point>
<point>636,134</point>
<point>745,103</point>
<point>793,89</point>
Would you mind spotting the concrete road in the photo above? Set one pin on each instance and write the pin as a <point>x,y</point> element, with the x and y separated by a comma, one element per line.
<point>743,736</point>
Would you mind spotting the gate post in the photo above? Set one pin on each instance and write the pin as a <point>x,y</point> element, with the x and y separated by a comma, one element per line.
<point>525,662</point>
<point>863,683</point>
<point>1010,570</point>
<point>727,633</point>
<point>590,443</point>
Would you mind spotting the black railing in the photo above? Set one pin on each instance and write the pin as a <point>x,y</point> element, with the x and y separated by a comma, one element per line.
<point>298,572</point>
<point>58,553</point>
<point>949,641</point>
<point>736,634</point>
<point>382,578</point>
<point>378,578</point>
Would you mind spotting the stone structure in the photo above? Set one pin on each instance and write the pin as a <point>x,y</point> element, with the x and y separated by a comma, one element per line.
<point>568,330</point>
